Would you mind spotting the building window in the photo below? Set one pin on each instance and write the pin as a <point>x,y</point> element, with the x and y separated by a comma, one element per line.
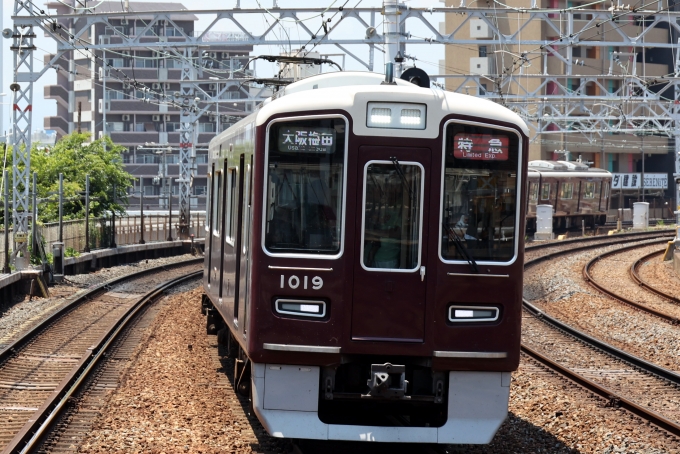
<point>172,31</point>
<point>172,127</point>
<point>115,62</point>
<point>206,127</point>
<point>199,190</point>
<point>115,126</point>
<point>482,51</point>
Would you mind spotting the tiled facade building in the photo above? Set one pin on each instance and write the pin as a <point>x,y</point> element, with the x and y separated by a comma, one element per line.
<point>130,121</point>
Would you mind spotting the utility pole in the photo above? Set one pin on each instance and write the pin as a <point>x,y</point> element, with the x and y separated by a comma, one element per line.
<point>34,216</point>
<point>87,213</point>
<point>141,214</point>
<point>5,256</point>
<point>187,140</point>
<point>61,207</point>
<point>22,114</point>
<point>79,105</point>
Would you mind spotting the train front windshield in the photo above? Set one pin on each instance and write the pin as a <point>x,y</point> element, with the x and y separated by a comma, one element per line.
<point>305,171</point>
<point>479,206</point>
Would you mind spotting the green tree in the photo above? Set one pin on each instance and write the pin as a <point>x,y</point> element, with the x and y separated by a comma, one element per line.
<point>75,157</point>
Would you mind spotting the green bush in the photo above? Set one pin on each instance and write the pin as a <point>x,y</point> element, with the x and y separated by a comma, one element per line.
<point>70,252</point>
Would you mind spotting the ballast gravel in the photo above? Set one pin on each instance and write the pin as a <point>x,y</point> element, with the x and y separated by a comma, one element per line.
<point>17,317</point>
<point>558,288</point>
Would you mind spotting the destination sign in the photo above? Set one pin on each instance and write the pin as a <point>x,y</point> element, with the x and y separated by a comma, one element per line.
<point>481,147</point>
<point>306,140</point>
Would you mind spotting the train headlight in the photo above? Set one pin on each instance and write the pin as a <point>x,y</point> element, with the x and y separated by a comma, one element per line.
<point>303,308</point>
<point>473,314</point>
<point>388,115</point>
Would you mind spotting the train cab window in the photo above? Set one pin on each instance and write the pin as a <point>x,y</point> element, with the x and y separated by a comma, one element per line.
<point>392,215</point>
<point>566,191</point>
<point>545,191</point>
<point>305,187</point>
<point>533,191</point>
<point>589,190</point>
<point>479,203</point>
<point>217,202</point>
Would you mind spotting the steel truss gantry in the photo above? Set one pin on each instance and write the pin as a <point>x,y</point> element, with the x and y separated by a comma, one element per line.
<point>638,106</point>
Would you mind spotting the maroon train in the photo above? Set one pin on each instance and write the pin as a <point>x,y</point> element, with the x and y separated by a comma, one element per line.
<point>364,259</point>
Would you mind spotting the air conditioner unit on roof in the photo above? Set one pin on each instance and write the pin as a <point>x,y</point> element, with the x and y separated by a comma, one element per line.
<point>156,86</point>
<point>124,21</point>
<point>156,118</point>
<point>166,86</point>
<point>212,54</point>
<point>126,117</point>
<point>212,87</point>
<point>167,118</point>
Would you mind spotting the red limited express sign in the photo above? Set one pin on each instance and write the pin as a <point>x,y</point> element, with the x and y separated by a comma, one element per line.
<point>481,147</point>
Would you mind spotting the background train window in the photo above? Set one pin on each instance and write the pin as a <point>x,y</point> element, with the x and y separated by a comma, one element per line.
<point>480,207</point>
<point>545,191</point>
<point>566,191</point>
<point>533,191</point>
<point>217,202</point>
<point>589,190</point>
<point>305,169</point>
<point>392,215</point>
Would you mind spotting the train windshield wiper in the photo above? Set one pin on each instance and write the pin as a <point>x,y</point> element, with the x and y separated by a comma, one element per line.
<point>400,172</point>
<point>458,243</point>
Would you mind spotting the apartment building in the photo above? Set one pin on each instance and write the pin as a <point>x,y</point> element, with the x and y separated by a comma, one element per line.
<point>614,152</point>
<point>131,115</point>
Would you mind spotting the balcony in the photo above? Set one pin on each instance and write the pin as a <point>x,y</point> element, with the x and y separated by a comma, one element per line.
<point>58,93</point>
<point>128,138</point>
<point>128,106</point>
<point>56,123</point>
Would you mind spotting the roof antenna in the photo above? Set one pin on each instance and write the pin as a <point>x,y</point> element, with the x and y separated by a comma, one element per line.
<point>389,74</point>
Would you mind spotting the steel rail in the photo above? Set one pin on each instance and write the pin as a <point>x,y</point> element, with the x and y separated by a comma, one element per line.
<point>33,431</point>
<point>589,279</point>
<point>10,349</point>
<point>633,271</point>
<point>615,399</point>
<point>641,235</point>
<point>634,361</point>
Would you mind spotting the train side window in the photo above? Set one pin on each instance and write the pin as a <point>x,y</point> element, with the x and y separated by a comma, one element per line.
<point>545,191</point>
<point>606,191</point>
<point>566,191</point>
<point>217,201</point>
<point>305,186</point>
<point>533,191</point>
<point>208,200</point>
<point>232,197</point>
<point>480,204</point>
<point>589,190</point>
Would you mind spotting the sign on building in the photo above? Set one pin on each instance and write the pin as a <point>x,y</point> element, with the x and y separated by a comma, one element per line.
<point>634,181</point>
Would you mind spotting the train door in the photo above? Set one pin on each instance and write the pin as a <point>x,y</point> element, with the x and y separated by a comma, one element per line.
<point>220,219</point>
<point>392,221</point>
<point>244,282</point>
<point>238,240</point>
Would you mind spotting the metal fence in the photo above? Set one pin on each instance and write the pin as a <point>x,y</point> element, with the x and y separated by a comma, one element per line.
<point>156,227</point>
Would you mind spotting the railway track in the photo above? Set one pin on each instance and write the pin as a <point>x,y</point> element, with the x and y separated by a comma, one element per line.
<point>624,380</point>
<point>665,314</point>
<point>634,274</point>
<point>41,372</point>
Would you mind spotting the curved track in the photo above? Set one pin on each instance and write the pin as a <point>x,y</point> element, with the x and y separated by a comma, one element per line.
<point>636,277</point>
<point>617,296</point>
<point>41,370</point>
<point>626,381</point>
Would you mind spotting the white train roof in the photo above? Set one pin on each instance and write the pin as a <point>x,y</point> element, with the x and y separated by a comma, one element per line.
<point>358,88</point>
<point>565,169</point>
